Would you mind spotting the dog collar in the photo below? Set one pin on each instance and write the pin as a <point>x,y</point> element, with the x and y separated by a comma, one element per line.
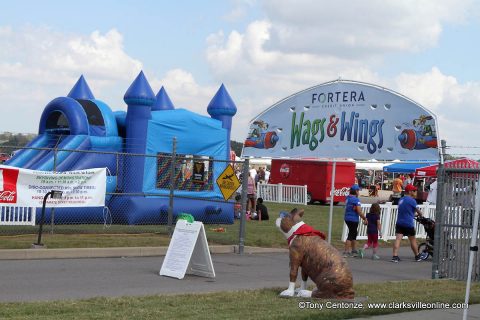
<point>305,230</point>
<point>289,234</point>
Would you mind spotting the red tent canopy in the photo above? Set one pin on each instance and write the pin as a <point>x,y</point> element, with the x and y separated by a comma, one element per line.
<point>431,171</point>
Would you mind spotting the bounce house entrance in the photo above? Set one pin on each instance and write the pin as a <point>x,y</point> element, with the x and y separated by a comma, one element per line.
<point>57,123</point>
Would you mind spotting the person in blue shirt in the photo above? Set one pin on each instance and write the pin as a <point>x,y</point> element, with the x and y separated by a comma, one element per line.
<point>407,209</point>
<point>353,211</point>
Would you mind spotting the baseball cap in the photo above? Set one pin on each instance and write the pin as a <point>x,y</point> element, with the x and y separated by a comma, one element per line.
<point>410,187</point>
<point>355,187</point>
<point>283,214</point>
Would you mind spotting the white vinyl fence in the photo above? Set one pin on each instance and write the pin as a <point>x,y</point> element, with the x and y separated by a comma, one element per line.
<point>282,193</point>
<point>17,216</point>
<point>388,219</point>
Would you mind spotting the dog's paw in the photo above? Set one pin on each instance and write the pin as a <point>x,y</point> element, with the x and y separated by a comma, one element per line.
<point>287,293</point>
<point>304,294</point>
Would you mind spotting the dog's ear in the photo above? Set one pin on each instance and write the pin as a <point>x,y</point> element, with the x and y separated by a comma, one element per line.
<point>300,213</point>
<point>297,214</point>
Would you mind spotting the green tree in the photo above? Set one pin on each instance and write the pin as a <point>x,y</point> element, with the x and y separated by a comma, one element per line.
<point>237,147</point>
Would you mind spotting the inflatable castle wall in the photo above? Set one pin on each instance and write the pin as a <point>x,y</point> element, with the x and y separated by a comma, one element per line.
<point>138,192</point>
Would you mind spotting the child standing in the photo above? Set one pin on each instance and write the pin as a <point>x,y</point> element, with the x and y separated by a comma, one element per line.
<point>374,228</point>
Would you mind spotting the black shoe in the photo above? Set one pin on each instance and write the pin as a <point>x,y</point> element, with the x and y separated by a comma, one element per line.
<point>420,256</point>
<point>395,259</point>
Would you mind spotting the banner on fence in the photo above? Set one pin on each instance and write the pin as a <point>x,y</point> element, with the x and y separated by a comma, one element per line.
<point>24,187</point>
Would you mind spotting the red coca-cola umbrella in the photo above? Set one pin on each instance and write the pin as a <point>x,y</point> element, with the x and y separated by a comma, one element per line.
<point>431,171</point>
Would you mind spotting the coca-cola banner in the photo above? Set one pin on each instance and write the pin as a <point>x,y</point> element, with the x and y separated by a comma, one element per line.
<point>343,192</point>
<point>27,188</point>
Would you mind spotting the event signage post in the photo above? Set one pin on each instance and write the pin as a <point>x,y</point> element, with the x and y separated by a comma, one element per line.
<point>344,119</point>
<point>188,252</point>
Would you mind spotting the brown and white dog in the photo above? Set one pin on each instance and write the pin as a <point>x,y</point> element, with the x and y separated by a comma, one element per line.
<point>318,260</point>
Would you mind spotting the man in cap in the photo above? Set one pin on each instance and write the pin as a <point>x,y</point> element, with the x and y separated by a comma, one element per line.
<point>407,209</point>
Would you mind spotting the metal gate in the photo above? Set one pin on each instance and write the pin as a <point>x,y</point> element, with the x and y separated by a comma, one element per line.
<point>454,225</point>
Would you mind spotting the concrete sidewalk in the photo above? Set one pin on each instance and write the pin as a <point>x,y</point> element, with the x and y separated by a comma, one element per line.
<point>58,279</point>
<point>75,253</point>
<point>124,273</point>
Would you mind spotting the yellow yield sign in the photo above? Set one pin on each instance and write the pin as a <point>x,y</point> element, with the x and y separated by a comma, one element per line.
<point>228,182</point>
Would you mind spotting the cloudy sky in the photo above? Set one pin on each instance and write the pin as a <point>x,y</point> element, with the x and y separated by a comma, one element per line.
<point>263,51</point>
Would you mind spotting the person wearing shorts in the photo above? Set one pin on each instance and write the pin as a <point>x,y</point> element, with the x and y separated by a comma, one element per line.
<point>405,226</point>
<point>353,211</point>
<point>251,195</point>
<point>374,228</point>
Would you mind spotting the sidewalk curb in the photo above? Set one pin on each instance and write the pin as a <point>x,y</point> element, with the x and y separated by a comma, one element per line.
<point>74,253</point>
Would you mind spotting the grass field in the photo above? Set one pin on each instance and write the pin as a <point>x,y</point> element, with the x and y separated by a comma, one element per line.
<point>255,304</point>
<point>262,234</point>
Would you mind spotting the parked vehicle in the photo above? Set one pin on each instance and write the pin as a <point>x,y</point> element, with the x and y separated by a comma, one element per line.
<point>4,157</point>
<point>316,175</point>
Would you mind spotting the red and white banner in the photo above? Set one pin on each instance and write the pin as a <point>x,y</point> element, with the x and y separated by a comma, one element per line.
<point>27,188</point>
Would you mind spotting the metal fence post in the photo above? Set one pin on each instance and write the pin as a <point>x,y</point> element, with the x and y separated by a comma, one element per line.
<point>172,187</point>
<point>52,210</point>
<point>332,195</point>
<point>241,236</point>
<point>387,220</point>
<point>305,194</point>
<point>280,193</point>
<point>439,212</point>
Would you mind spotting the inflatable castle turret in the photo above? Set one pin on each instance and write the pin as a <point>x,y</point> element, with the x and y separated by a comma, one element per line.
<point>223,109</point>
<point>163,101</point>
<point>139,99</point>
<point>81,90</point>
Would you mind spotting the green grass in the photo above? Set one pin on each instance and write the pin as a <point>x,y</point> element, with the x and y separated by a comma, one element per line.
<point>254,304</point>
<point>258,233</point>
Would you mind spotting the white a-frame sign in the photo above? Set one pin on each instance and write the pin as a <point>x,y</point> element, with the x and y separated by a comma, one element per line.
<point>188,252</point>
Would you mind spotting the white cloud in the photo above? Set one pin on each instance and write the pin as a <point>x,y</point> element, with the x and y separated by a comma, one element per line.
<point>295,46</point>
<point>262,77</point>
<point>38,64</point>
<point>360,28</point>
<point>305,43</point>
<point>239,10</point>
<point>455,104</point>
<point>184,91</point>
<point>429,89</point>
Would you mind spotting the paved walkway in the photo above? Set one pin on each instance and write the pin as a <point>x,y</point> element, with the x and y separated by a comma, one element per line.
<point>59,279</point>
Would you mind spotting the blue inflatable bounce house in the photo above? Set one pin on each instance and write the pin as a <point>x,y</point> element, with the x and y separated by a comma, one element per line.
<point>138,186</point>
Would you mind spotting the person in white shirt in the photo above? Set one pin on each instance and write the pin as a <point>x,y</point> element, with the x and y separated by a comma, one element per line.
<point>408,180</point>
<point>253,173</point>
<point>432,193</point>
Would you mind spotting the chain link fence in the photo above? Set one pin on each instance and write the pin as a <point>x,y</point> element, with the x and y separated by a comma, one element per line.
<point>455,223</point>
<point>145,194</point>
